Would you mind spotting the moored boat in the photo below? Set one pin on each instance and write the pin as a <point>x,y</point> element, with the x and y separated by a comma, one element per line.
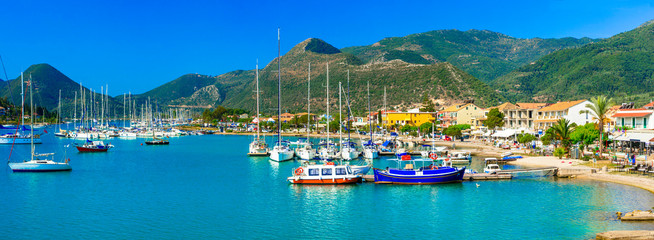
<point>407,172</point>
<point>94,146</point>
<point>328,173</point>
<point>157,141</point>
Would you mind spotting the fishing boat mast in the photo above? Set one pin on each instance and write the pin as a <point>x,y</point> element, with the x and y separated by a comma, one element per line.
<point>258,116</point>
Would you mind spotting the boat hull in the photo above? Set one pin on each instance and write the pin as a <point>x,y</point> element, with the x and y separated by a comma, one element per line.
<point>446,175</point>
<point>325,181</point>
<point>19,140</point>
<point>370,154</point>
<point>85,149</point>
<point>39,167</point>
<point>279,156</point>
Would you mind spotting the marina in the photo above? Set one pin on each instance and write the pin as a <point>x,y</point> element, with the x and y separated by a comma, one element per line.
<point>140,190</point>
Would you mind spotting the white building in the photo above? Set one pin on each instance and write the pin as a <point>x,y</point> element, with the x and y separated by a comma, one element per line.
<point>640,118</point>
<point>574,111</point>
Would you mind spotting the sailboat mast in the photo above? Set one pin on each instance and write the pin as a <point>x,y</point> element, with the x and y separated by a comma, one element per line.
<point>340,119</point>
<point>22,101</point>
<point>327,103</point>
<point>31,117</point>
<point>309,104</point>
<point>348,104</point>
<point>258,116</point>
<point>279,88</point>
<point>75,112</point>
<point>369,113</point>
<point>384,104</point>
<point>59,110</point>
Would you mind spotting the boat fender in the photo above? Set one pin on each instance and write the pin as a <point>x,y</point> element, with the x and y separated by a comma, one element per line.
<point>299,171</point>
<point>67,159</point>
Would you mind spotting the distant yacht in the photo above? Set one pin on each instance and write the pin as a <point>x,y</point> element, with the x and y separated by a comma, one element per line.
<point>258,147</point>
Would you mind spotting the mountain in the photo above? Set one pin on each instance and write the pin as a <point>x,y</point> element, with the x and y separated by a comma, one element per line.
<point>405,83</point>
<point>484,54</point>
<point>621,67</point>
<point>47,81</point>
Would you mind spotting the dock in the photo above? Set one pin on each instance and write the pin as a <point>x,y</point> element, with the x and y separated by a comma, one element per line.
<point>466,177</point>
<point>258,154</point>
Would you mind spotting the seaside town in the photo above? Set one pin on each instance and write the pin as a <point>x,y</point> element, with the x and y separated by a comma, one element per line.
<point>404,129</point>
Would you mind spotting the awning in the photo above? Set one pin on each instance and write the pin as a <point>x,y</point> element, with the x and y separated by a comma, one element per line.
<point>504,133</point>
<point>635,137</point>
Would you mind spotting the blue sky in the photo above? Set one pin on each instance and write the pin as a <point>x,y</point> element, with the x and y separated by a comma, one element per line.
<point>139,45</point>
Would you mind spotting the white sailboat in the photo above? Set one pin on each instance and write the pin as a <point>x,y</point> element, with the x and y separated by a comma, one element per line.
<point>327,149</point>
<point>281,151</point>
<point>305,150</point>
<point>38,162</point>
<point>348,148</point>
<point>258,147</point>
<point>17,137</point>
<point>370,150</point>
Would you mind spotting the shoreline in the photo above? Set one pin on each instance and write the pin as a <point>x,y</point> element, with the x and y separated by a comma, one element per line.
<point>634,180</point>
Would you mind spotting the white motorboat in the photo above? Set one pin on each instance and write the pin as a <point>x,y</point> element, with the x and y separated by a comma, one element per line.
<point>327,173</point>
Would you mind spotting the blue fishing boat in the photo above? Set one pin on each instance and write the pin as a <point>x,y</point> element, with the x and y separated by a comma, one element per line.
<point>408,172</point>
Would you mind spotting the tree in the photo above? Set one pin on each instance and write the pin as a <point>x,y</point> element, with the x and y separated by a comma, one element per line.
<point>599,107</point>
<point>494,119</point>
<point>549,137</point>
<point>584,135</point>
<point>560,152</point>
<point>562,130</point>
<point>453,131</point>
<point>427,104</point>
<point>525,138</point>
<point>426,127</point>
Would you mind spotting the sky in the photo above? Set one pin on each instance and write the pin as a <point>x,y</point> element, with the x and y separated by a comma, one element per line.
<point>135,46</point>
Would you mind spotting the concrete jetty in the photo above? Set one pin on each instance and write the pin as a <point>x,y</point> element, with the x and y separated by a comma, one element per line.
<point>620,235</point>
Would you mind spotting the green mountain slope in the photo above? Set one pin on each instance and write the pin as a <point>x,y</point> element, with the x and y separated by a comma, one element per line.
<point>406,83</point>
<point>47,81</point>
<point>484,54</point>
<point>621,67</point>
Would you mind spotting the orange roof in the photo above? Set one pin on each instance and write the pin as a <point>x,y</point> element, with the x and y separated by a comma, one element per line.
<point>651,104</point>
<point>506,105</point>
<point>632,114</point>
<point>561,106</point>
<point>531,105</point>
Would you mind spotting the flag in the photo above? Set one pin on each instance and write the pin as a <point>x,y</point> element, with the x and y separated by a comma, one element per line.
<point>46,131</point>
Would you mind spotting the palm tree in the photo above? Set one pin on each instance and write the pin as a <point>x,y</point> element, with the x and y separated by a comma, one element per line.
<point>599,107</point>
<point>563,129</point>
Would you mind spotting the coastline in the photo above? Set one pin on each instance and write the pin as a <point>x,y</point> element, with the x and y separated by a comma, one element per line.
<point>634,180</point>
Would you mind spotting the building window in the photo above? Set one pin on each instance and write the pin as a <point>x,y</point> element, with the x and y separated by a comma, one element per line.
<point>644,122</point>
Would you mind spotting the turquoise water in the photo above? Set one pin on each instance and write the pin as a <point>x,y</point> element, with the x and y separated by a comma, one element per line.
<point>205,187</point>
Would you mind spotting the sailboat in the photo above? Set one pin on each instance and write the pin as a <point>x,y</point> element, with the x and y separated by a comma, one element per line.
<point>38,162</point>
<point>348,148</point>
<point>258,147</point>
<point>370,150</point>
<point>17,137</point>
<point>281,151</point>
<point>305,150</point>
<point>327,149</point>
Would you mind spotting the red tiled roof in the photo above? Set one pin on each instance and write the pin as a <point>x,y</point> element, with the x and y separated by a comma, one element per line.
<point>632,114</point>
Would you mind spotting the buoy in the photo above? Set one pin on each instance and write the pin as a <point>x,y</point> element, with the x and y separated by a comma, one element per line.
<point>141,144</point>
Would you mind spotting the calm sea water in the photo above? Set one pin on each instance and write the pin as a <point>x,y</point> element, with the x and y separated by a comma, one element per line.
<point>205,187</point>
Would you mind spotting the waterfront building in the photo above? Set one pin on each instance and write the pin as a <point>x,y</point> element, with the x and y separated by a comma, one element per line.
<point>410,118</point>
<point>638,119</point>
<point>464,113</point>
<point>519,115</point>
<point>574,111</point>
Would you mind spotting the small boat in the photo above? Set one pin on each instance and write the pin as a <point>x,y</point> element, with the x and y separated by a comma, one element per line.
<point>460,157</point>
<point>18,138</point>
<point>361,169</point>
<point>157,141</point>
<point>327,151</point>
<point>510,158</point>
<point>408,173</point>
<point>370,150</point>
<point>36,164</point>
<point>327,173</point>
<point>305,150</point>
<point>94,146</point>
<point>281,151</point>
<point>349,151</point>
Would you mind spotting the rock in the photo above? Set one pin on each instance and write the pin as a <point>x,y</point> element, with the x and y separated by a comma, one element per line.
<point>638,216</point>
<point>619,235</point>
